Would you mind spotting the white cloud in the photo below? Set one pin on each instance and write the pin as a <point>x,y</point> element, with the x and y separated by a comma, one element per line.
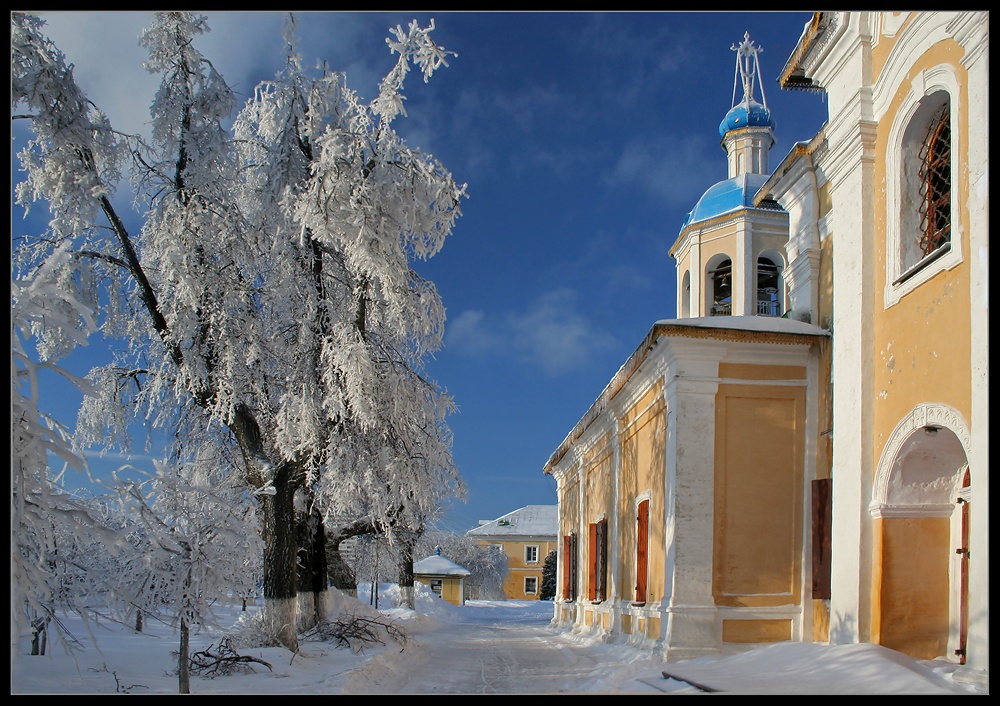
<point>675,168</point>
<point>245,47</point>
<point>104,49</point>
<point>551,334</point>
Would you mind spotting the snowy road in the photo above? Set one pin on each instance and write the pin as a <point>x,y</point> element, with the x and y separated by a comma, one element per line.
<point>498,651</point>
<point>507,647</point>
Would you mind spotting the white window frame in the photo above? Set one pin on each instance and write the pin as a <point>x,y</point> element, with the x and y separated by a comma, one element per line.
<point>532,591</point>
<point>528,549</point>
<point>939,78</point>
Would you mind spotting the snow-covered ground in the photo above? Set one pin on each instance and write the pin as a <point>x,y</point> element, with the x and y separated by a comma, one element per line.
<point>482,647</point>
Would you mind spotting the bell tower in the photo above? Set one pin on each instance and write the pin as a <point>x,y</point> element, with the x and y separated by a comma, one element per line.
<point>730,253</point>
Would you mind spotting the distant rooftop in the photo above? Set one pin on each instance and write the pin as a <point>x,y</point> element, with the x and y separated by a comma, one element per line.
<point>437,565</point>
<point>532,520</point>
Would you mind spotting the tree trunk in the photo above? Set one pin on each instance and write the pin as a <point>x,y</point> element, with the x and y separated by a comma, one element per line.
<point>311,574</point>
<point>280,567</point>
<point>319,573</point>
<point>39,635</point>
<point>138,619</point>
<point>184,661</point>
<point>406,595</point>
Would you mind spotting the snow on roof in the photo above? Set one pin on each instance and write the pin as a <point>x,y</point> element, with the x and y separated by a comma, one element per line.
<point>529,521</point>
<point>439,566</point>
<point>675,327</point>
<point>767,324</point>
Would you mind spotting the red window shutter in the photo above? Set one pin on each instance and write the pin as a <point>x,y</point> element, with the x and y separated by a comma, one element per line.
<point>642,551</point>
<point>592,561</point>
<point>821,531</point>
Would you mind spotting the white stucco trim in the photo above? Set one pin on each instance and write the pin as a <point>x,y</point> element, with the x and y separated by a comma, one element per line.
<point>924,414</point>
<point>890,511</point>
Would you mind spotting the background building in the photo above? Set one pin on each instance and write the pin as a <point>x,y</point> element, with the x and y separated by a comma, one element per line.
<point>526,536</point>
<point>443,576</point>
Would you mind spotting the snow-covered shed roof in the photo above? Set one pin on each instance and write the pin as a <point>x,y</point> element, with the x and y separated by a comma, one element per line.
<point>529,521</point>
<point>437,565</point>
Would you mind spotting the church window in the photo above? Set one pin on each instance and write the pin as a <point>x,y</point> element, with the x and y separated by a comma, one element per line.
<point>686,295</point>
<point>768,288</point>
<point>721,279</point>
<point>921,179</point>
<point>569,566</point>
<point>935,185</point>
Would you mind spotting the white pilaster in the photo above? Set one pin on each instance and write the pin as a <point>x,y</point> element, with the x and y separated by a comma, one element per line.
<point>691,386</point>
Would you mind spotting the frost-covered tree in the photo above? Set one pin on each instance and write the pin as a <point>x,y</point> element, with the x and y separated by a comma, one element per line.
<point>48,319</point>
<point>51,314</point>
<point>270,285</point>
<point>365,205</point>
<point>488,565</point>
<point>194,548</point>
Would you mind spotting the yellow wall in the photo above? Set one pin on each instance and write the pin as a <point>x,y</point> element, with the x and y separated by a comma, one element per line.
<point>913,593</point>
<point>599,477</point>
<point>922,344</point>
<point>519,569</point>
<point>758,492</point>
<point>513,585</point>
<point>749,631</point>
<point>451,587</point>
<point>921,352</point>
<point>643,448</point>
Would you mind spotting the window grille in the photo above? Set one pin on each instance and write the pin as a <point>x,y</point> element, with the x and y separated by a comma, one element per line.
<point>935,184</point>
<point>570,548</point>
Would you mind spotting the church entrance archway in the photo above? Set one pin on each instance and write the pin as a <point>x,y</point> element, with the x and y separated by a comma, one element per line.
<point>921,509</point>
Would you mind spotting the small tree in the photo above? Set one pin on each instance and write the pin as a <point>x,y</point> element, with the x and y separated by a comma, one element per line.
<point>198,540</point>
<point>548,590</point>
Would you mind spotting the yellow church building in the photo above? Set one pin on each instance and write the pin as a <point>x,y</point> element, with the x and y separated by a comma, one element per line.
<point>803,453</point>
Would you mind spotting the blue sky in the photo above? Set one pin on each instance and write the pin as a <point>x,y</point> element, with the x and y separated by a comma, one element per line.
<point>584,139</point>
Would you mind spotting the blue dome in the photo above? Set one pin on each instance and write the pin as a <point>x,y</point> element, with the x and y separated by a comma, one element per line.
<point>729,195</point>
<point>746,114</point>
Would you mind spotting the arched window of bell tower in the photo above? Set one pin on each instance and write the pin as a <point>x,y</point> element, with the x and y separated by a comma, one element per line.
<point>770,288</point>
<point>685,303</point>
<point>719,286</point>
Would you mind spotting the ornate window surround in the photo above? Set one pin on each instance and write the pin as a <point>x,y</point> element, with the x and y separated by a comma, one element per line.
<point>926,83</point>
